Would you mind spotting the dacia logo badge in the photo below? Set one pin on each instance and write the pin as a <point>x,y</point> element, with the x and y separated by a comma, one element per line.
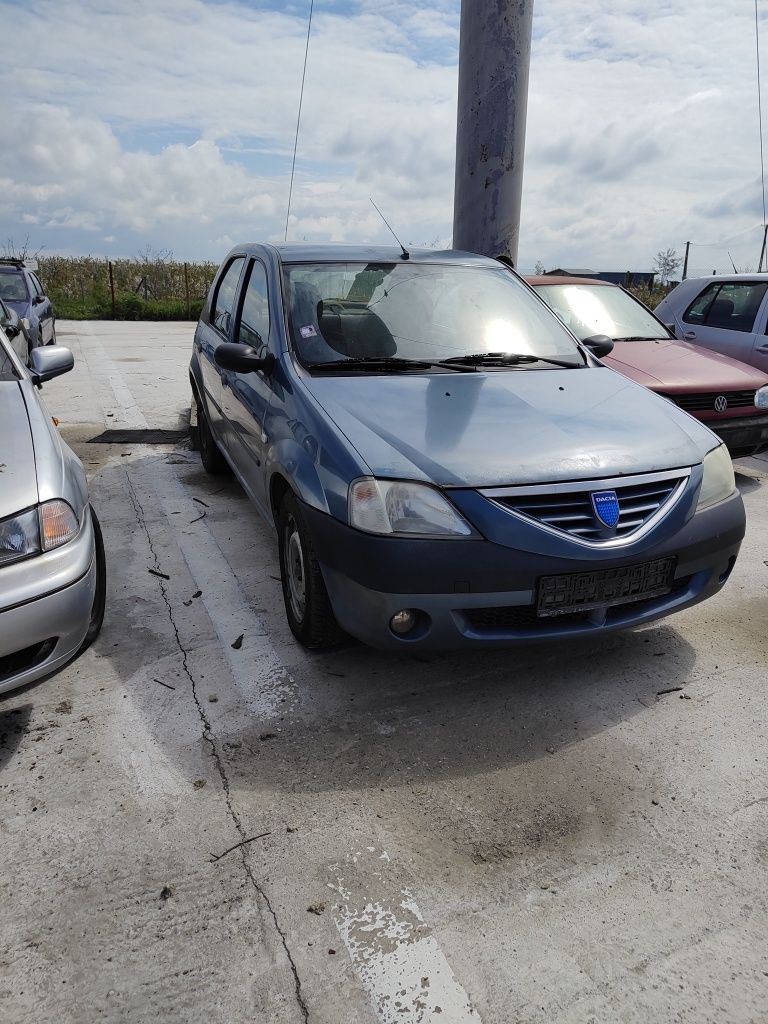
<point>605,505</point>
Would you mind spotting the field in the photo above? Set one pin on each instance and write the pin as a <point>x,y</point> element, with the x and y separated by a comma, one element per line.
<point>146,288</point>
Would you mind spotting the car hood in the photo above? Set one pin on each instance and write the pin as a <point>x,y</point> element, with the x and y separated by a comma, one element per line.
<point>506,427</point>
<point>18,478</point>
<point>22,306</point>
<point>667,365</point>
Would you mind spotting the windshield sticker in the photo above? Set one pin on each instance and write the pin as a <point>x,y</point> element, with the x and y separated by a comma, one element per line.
<point>308,332</point>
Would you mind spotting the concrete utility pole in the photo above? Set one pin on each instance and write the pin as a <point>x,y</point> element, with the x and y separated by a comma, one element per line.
<point>494,56</point>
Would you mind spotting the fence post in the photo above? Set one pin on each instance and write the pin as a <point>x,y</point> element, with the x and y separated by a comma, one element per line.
<point>112,290</point>
<point>186,290</point>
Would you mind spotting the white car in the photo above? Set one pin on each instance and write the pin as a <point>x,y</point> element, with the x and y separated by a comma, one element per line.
<point>727,314</point>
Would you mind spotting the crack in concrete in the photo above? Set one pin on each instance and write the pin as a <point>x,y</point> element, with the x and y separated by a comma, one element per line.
<point>209,738</point>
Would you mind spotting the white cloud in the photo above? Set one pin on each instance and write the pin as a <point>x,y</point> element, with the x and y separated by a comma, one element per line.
<point>171,122</point>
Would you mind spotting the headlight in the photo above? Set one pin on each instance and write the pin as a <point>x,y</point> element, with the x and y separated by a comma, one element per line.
<point>19,536</point>
<point>40,529</point>
<point>718,480</point>
<point>401,507</point>
<point>761,397</point>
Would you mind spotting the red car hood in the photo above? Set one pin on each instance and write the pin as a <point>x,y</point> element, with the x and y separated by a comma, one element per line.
<point>676,366</point>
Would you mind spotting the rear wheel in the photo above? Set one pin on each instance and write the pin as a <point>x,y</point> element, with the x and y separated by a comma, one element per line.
<point>210,455</point>
<point>307,606</point>
<point>100,597</point>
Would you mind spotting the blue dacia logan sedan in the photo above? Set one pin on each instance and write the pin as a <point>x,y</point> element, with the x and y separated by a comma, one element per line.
<point>444,463</point>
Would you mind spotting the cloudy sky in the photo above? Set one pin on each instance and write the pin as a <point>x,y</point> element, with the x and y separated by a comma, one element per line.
<point>170,123</point>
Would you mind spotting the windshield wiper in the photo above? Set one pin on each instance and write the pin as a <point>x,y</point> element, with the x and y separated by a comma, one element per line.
<point>385,363</point>
<point>505,359</point>
<point>643,337</point>
<point>372,363</point>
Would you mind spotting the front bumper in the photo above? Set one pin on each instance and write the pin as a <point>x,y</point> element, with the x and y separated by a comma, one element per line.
<point>482,594</point>
<point>745,435</point>
<point>45,609</point>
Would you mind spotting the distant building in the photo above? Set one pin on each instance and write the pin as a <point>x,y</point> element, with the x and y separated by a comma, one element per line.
<point>625,278</point>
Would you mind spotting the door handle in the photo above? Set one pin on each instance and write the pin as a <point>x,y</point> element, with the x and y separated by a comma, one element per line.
<point>762,349</point>
<point>689,335</point>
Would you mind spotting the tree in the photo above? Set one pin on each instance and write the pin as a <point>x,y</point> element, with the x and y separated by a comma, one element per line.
<point>540,268</point>
<point>666,262</point>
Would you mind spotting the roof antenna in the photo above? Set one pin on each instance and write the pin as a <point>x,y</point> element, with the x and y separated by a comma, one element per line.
<point>732,263</point>
<point>406,254</point>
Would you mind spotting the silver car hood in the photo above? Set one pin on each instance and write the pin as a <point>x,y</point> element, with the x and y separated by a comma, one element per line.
<point>18,476</point>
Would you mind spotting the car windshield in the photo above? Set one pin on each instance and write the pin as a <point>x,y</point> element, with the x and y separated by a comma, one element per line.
<point>419,311</point>
<point>13,287</point>
<point>601,309</point>
<point>7,367</point>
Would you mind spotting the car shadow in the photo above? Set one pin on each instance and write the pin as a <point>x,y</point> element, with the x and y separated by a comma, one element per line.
<point>13,726</point>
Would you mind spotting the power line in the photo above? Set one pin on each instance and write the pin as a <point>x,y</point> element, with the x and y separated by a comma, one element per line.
<point>298,117</point>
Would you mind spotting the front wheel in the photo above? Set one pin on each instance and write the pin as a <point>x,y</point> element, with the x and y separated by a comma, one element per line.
<point>100,597</point>
<point>307,606</point>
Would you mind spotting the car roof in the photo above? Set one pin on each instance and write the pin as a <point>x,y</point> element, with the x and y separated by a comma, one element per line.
<point>720,278</point>
<point>311,252</point>
<point>555,279</point>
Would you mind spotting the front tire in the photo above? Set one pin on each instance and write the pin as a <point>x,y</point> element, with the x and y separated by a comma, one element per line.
<point>307,606</point>
<point>100,597</point>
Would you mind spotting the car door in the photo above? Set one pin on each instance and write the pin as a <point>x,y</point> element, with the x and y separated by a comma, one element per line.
<point>724,316</point>
<point>247,395</point>
<point>210,333</point>
<point>43,309</point>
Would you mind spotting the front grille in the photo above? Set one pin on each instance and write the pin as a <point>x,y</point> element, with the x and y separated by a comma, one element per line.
<point>568,507</point>
<point>706,402</point>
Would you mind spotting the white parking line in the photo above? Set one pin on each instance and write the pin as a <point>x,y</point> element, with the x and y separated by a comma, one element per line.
<point>257,672</point>
<point>394,951</point>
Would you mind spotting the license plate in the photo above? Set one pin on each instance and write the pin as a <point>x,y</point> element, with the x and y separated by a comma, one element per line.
<point>582,591</point>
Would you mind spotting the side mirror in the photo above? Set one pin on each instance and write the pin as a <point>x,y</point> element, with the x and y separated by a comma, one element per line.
<point>12,330</point>
<point>599,345</point>
<point>242,359</point>
<point>47,363</point>
<point>37,300</point>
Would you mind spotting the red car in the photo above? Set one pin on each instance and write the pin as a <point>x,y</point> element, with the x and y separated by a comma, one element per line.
<point>729,396</point>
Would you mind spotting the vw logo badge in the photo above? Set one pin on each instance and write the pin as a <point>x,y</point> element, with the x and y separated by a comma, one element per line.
<point>606,507</point>
<point>721,403</point>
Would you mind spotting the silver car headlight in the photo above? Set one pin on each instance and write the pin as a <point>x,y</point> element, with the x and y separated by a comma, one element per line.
<point>404,508</point>
<point>761,397</point>
<point>718,480</point>
<point>39,529</point>
<point>19,536</point>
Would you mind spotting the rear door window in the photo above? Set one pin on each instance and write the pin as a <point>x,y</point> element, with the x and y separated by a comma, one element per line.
<point>729,306</point>
<point>224,300</point>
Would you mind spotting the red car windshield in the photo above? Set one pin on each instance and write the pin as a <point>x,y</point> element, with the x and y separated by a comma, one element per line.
<point>601,309</point>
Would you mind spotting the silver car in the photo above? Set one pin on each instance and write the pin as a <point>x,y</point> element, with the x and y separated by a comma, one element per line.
<point>52,566</point>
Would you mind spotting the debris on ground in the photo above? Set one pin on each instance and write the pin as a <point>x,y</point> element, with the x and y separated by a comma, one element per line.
<point>317,908</point>
<point>672,689</point>
<point>197,593</point>
<point>267,736</point>
<point>332,952</point>
<point>291,828</point>
<point>199,783</point>
<point>201,516</point>
<point>201,502</point>
<point>212,698</point>
<point>166,685</point>
<point>239,642</point>
<point>156,572</point>
<point>237,846</point>
<point>166,892</point>
<point>64,708</point>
